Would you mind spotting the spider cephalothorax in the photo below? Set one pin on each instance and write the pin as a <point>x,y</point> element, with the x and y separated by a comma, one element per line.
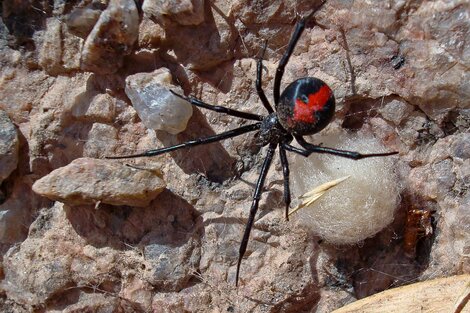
<point>271,130</point>
<point>304,108</point>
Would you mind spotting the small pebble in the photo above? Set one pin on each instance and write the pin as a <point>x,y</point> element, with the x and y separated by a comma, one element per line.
<point>156,106</point>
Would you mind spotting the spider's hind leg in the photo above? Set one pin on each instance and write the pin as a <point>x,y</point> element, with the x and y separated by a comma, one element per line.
<point>310,148</point>
<point>285,172</point>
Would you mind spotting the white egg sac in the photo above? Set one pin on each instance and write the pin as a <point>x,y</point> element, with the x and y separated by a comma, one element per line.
<point>357,208</point>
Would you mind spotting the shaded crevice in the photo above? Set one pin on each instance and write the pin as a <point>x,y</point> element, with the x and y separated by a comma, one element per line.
<point>381,262</point>
<point>456,121</point>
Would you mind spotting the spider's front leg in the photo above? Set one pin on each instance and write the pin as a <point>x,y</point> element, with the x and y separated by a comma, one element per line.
<point>195,142</point>
<point>254,206</point>
<point>310,148</point>
<point>299,28</point>
<point>219,109</point>
<point>259,81</point>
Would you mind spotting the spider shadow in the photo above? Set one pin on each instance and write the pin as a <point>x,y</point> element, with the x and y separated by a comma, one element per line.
<point>210,159</point>
<point>271,197</point>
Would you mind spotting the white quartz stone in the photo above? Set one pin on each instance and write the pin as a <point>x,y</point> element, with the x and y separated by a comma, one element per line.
<point>156,106</point>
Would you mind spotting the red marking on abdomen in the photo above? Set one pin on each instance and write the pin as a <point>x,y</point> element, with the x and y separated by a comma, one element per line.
<point>305,112</point>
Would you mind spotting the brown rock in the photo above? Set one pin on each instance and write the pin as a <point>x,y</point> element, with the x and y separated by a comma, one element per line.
<point>79,251</point>
<point>83,17</point>
<point>112,37</point>
<point>184,12</point>
<point>15,212</point>
<point>9,146</point>
<point>89,181</point>
<point>100,138</point>
<point>100,109</point>
<point>151,34</point>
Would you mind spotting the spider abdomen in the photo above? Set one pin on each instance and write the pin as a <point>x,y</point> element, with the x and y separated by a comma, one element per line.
<point>306,106</point>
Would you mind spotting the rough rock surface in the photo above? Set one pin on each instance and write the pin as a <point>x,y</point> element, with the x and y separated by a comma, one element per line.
<point>90,181</point>
<point>112,38</point>
<point>9,145</point>
<point>399,71</point>
<point>16,211</point>
<point>185,12</point>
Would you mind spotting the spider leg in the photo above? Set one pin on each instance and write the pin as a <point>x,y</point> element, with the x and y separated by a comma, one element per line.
<point>299,28</point>
<point>285,172</point>
<point>259,82</point>
<point>254,206</point>
<point>199,141</point>
<point>310,148</point>
<point>219,109</point>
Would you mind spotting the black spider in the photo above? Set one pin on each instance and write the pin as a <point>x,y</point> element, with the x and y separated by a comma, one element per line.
<point>305,107</point>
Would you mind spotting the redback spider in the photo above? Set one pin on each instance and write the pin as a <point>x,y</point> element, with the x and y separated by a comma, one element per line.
<point>305,107</point>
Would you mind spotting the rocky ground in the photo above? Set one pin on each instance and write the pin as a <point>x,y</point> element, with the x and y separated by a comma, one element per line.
<point>162,235</point>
